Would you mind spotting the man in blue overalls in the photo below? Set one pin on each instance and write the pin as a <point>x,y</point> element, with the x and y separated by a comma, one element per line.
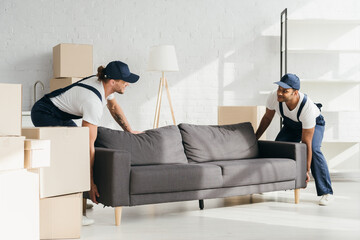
<point>86,99</point>
<point>302,122</point>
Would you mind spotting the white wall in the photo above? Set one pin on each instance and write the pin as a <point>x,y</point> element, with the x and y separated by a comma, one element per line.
<point>227,50</point>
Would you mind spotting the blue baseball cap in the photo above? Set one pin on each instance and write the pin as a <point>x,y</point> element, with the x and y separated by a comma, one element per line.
<point>120,71</point>
<point>289,80</point>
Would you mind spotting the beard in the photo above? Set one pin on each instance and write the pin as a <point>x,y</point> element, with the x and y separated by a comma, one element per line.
<point>282,99</point>
<point>285,99</point>
<point>120,91</point>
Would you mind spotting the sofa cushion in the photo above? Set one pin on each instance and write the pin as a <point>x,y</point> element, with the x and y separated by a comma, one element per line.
<point>256,171</point>
<point>214,143</point>
<point>174,178</point>
<point>156,146</point>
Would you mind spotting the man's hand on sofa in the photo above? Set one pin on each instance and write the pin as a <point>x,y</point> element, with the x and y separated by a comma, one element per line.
<point>94,193</point>
<point>136,132</point>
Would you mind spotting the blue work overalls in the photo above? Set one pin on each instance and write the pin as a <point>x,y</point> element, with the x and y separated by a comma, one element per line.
<point>292,131</point>
<point>45,114</point>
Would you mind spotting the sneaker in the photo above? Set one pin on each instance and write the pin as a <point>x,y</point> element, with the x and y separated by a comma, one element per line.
<point>89,206</point>
<point>326,199</point>
<point>87,221</point>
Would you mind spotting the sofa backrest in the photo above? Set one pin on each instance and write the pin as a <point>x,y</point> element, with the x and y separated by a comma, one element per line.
<point>215,143</point>
<point>156,146</point>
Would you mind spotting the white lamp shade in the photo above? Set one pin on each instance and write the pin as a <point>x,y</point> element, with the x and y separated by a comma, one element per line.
<point>163,58</point>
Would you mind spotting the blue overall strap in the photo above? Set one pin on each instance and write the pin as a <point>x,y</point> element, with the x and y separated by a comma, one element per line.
<point>299,111</point>
<point>281,110</point>
<point>78,83</point>
<point>301,106</point>
<point>85,78</point>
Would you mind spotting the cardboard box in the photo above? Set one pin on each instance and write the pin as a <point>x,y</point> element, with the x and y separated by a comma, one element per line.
<point>56,83</point>
<point>69,170</point>
<point>238,114</point>
<point>10,108</point>
<point>37,153</point>
<point>60,217</point>
<point>11,152</point>
<point>19,205</point>
<point>72,60</point>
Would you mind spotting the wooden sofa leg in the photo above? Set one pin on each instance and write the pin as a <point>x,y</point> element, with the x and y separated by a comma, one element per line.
<point>201,204</point>
<point>118,211</point>
<point>84,206</point>
<point>297,195</point>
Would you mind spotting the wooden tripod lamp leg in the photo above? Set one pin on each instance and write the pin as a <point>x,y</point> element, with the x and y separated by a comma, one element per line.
<point>168,95</point>
<point>163,82</point>
<point>158,104</point>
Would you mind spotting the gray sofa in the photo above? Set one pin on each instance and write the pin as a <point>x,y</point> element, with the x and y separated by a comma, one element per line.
<point>192,162</point>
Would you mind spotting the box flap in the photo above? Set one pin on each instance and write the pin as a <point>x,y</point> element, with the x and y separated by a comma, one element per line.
<point>32,144</point>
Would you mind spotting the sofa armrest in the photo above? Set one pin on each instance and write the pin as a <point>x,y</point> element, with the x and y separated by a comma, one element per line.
<point>112,176</point>
<point>296,151</point>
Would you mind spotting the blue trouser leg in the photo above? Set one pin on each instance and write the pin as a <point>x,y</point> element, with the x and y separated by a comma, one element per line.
<point>319,168</point>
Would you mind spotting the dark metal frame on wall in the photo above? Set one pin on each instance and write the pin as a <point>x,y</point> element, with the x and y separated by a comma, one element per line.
<point>283,42</point>
<point>283,38</point>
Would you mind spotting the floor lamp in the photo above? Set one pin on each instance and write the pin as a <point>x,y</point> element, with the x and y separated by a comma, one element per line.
<point>163,59</point>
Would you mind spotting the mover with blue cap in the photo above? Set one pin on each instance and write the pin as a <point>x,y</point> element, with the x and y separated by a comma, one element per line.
<point>86,99</point>
<point>302,122</point>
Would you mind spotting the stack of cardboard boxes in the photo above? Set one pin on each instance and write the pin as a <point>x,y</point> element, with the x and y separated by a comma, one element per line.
<point>41,186</point>
<point>19,186</point>
<point>62,184</point>
<point>71,62</point>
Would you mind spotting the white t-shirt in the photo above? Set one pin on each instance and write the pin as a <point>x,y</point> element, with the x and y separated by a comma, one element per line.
<point>308,114</point>
<point>83,102</point>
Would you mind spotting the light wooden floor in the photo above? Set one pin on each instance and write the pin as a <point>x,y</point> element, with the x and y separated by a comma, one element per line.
<point>261,216</point>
